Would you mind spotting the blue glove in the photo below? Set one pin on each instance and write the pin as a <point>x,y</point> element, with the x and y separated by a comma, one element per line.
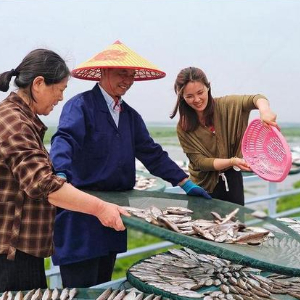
<point>61,174</point>
<point>194,190</point>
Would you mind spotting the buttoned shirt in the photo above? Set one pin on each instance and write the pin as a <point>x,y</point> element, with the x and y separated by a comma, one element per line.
<point>112,107</point>
<point>26,180</point>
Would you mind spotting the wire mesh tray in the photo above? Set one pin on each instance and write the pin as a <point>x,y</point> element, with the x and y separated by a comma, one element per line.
<point>183,274</point>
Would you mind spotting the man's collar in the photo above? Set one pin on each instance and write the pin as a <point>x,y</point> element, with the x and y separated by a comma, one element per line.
<point>109,99</point>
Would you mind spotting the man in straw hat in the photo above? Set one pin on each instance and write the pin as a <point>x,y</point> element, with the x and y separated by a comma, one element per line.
<point>98,138</point>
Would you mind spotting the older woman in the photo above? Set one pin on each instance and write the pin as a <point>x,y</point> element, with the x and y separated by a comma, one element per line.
<point>28,187</point>
<point>210,131</point>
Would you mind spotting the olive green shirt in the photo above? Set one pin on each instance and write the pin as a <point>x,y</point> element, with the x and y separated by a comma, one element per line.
<point>231,114</point>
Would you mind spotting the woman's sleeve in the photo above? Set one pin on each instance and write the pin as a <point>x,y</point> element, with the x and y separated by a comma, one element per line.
<point>30,163</point>
<point>199,160</point>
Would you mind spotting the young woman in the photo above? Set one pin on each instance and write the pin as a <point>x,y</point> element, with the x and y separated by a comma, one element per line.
<point>210,131</point>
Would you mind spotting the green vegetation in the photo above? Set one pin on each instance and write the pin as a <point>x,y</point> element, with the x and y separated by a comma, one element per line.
<point>159,132</point>
<point>164,132</point>
<point>289,202</point>
<point>290,131</point>
<point>49,133</point>
<point>155,132</point>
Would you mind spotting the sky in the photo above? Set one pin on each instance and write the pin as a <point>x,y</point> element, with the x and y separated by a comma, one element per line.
<point>243,46</point>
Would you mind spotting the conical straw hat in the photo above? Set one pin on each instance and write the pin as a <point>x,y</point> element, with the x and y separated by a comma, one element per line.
<point>117,55</point>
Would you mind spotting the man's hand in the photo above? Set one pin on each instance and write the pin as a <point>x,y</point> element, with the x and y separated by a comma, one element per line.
<point>192,189</point>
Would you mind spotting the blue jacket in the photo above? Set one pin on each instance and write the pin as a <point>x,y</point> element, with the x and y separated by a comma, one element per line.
<point>96,154</point>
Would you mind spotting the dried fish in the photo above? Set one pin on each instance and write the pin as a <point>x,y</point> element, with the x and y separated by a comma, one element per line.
<point>178,252</point>
<point>19,295</point>
<point>55,294</point>
<point>140,296</point>
<point>29,295</point>
<point>287,220</point>
<point>168,223</point>
<point>37,295</point>
<point>237,297</point>
<point>259,214</point>
<point>220,230</point>
<point>230,216</point>
<point>10,295</point>
<point>224,288</point>
<point>143,183</point>
<point>155,212</point>
<point>113,294</point>
<point>4,296</point>
<point>105,294</point>
<point>217,216</point>
<point>183,272</point>
<point>130,296</point>
<point>120,296</point>
<point>149,297</point>
<point>73,292</point>
<point>178,210</point>
<point>251,237</point>
<point>47,294</point>
<point>64,294</point>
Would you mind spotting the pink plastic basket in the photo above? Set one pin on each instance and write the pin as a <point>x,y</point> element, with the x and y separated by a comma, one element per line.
<point>266,151</point>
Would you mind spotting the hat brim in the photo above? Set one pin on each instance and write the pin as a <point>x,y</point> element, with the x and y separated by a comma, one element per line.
<point>117,56</point>
<point>94,73</point>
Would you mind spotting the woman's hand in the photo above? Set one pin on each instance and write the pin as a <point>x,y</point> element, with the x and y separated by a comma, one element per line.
<point>109,215</point>
<point>240,163</point>
<point>267,116</point>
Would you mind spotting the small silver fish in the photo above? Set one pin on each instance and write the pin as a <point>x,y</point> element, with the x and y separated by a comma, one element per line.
<point>149,297</point>
<point>178,210</point>
<point>105,294</point>
<point>10,296</point>
<point>19,296</point>
<point>4,296</point>
<point>29,295</point>
<point>73,292</point>
<point>140,296</point>
<point>120,295</point>
<point>130,296</point>
<point>55,294</point>
<point>37,295</point>
<point>47,294</point>
<point>113,294</point>
<point>64,294</point>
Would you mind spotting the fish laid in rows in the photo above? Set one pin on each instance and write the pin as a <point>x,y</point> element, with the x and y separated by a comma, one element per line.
<point>126,295</point>
<point>38,294</point>
<point>184,272</point>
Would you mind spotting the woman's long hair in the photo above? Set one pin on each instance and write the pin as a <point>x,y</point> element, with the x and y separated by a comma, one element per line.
<point>188,118</point>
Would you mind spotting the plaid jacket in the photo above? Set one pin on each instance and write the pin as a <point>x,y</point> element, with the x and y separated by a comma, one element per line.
<point>26,180</point>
